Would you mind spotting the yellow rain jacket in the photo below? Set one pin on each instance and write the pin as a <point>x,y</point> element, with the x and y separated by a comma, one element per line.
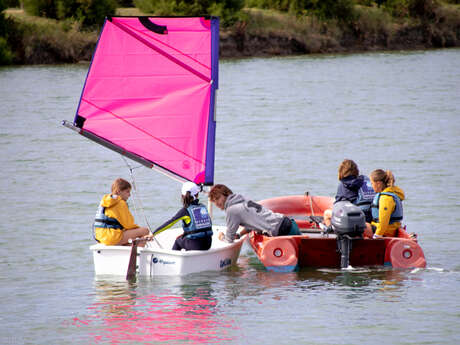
<point>115,208</point>
<point>386,208</point>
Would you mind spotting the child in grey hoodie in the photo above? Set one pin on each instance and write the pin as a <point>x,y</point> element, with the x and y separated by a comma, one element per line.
<point>250,215</point>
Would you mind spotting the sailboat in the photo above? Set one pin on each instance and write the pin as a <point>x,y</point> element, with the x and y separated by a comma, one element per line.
<point>150,95</point>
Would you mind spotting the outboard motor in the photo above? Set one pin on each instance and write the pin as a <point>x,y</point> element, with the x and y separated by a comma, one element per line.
<point>348,220</point>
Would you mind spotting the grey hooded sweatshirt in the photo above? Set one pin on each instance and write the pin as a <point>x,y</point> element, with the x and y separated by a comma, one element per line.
<point>251,215</point>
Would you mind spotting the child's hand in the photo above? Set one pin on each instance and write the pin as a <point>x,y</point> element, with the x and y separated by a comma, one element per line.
<point>148,237</point>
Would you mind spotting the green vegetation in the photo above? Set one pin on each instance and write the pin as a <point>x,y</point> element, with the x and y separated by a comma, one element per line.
<point>229,11</point>
<point>89,13</point>
<point>54,31</point>
<point>6,55</point>
<point>42,40</point>
<point>371,25</point>
<point>324,9</point>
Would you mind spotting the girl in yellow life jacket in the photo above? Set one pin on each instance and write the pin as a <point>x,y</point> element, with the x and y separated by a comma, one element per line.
<point>387,211</point>
<point>114,223</point>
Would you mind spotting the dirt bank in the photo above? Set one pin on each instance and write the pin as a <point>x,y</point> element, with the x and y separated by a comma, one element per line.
<point>352,39</point>
<point>42,41</point>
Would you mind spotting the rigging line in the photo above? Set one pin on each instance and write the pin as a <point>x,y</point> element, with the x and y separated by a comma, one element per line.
<point>169,174</point>
<point>137,196</point>
<point>308,196</point>
<point>168,56</point>
<point>133,183</point>
<point>142,130</point>
<point>135,157</point>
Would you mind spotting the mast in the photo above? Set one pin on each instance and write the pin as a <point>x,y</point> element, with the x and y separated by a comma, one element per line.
<point>210,152</point>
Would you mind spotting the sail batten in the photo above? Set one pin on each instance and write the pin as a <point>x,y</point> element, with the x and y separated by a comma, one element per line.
<point>150,95</point>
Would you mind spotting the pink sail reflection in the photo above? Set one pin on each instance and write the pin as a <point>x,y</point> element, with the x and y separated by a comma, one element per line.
<point>155,319</point>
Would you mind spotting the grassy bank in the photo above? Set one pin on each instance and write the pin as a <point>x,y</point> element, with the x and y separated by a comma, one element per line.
<point>274,33</point>
<point>37,40</point>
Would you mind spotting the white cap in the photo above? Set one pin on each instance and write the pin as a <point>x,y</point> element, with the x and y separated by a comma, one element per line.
<point>190,187</point>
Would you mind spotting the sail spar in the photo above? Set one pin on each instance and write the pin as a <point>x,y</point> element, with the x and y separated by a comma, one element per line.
<point>150,93</point>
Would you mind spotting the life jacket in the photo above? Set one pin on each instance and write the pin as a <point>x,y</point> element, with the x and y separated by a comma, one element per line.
<point>200,222</point>
<point>397,214</point>
<point>102,221</point>
<point>365,198</point>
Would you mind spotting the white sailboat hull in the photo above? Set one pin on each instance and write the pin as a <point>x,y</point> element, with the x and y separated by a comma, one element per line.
<point>153,260</point>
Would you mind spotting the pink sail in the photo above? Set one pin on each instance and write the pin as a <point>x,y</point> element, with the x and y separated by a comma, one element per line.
<point>150,93</point>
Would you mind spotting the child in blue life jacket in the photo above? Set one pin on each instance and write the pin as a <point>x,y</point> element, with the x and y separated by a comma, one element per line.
<point>196,221</point>
<point>353,187</point>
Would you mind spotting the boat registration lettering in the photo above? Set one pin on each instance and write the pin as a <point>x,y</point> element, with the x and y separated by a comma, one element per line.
<point>225,262</point>
<point>161,261</point>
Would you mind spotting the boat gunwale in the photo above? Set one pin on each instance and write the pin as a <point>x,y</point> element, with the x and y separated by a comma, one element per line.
<point>179,253</point>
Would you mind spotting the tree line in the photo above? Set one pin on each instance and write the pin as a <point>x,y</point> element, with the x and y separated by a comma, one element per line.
<point>90,14</point>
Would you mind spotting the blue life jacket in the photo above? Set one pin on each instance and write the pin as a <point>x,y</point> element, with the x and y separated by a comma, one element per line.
<point>102,221</point>
<point>200,222</point>
<point>397,214</point>
<point>365,198</point>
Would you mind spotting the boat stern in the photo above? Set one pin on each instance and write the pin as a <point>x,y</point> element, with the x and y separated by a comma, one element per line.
<point>110,260</point>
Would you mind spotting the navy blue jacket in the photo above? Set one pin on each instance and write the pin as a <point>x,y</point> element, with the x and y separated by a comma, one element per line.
<point>348,188</point>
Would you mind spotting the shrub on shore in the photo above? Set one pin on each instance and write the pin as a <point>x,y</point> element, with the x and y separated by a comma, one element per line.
<point>370,25</point>
<point>287,30</point>
<point>342,10</point>
<point>229,11</point>
<point>37,40</point>
<point>6,55</point>
<point>90,13</point>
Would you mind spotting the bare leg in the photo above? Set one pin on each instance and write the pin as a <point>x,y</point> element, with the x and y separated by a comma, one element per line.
<point>327,215</point>
<point>133,234</point>
<point>368,233</point>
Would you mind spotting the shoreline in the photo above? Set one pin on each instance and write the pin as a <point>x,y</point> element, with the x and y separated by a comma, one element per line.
<point>265,34</point>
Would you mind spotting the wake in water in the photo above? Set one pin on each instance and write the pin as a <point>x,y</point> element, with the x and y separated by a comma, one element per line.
<point>350,269</point>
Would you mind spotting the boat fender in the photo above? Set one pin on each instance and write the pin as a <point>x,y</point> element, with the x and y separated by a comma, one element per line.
<point>404,253</point>
<point>279,252</point>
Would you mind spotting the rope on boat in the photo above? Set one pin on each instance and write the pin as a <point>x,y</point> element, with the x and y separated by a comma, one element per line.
<point>307,194</point>
<point>138,199</point>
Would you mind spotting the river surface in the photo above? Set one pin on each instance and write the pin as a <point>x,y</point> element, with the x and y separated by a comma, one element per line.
<point>284,126</point>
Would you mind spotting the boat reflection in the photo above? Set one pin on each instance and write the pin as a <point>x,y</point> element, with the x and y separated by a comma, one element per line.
<point>386,278</point>
<point>182,311</point>
<point>374,277</point>
<point>361,280</point>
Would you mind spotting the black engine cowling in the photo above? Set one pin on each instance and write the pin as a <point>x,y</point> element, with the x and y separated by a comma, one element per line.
<point>348,219</point>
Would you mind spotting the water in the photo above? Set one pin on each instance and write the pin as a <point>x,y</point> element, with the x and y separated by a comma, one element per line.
<point>284,126</point>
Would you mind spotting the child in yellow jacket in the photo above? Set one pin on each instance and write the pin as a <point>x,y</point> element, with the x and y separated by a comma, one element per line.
<point>114,223</point>
<point>387,211</point>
